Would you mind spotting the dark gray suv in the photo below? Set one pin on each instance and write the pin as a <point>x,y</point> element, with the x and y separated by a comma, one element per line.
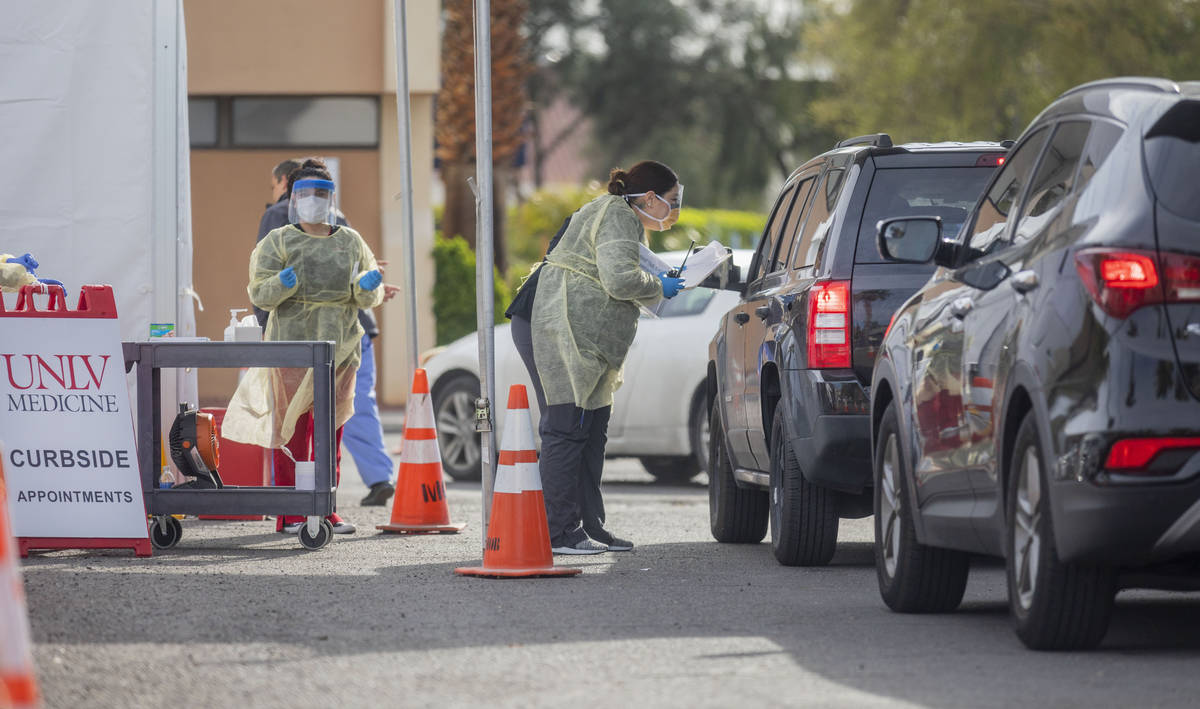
<point>1039,398</point>
<point>789,367</point>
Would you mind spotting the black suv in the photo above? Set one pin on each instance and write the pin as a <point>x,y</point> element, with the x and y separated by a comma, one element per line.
<point>789,366</point>
<point>1039,398</point>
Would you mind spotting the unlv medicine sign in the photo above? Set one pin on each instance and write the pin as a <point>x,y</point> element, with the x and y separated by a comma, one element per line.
<point>66,430</point>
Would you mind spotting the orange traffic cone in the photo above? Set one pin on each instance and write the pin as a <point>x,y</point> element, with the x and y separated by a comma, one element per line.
<point>18,687</point>
<point>518,539</point>
<point>419,506</point>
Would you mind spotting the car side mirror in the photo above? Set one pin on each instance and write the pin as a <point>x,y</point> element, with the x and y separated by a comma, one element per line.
<point>909,239</point>
<point>985,276</point>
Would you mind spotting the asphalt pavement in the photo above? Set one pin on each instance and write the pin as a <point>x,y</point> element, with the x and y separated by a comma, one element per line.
<point>237,615</point>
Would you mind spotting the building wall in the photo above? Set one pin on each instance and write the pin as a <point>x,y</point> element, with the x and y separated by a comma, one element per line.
<point>308,48</point>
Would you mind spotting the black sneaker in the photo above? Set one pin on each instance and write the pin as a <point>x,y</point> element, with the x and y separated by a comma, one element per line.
<point>379,494</point>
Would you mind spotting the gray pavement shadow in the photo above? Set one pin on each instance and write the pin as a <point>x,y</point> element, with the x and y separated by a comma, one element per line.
<point>829,620</point>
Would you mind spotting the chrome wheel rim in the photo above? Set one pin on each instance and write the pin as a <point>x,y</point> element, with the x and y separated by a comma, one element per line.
<point>1027,539</point>
<point>456,431</point>
<point>889,505</point>
<point>705,442</point>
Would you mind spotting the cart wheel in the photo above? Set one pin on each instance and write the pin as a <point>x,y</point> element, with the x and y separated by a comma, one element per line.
<point>165,539</point>
<point>324,534</point>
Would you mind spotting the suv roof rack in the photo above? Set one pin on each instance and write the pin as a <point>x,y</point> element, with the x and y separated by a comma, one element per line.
<point>1147,83</point>
<point>879,140</point>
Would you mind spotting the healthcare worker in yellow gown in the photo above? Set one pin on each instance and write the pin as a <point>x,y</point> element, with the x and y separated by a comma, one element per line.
<point>313,276</point>
<point>585,314</point>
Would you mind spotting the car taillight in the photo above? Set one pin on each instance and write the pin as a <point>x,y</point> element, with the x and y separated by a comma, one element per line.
<point>1135,454</point>
<point>829,325</point>
<point>990,160</point>
<point>1121,281</point>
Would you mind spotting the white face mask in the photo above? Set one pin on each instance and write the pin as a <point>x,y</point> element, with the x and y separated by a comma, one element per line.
<point>313,209</point>
<point>672,210</point>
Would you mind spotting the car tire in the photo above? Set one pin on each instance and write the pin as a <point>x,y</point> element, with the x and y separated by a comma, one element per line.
<point>736,515</point>
<point>699,429</point>
<point>804,519</point>
<point>670,468</point>
<point>1055,606</point>
<point>454,411</point>
<point>913,577</point>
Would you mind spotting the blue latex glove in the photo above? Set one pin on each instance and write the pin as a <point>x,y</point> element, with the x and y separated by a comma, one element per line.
<point>51,282</point>
<point>288,277</point>
<point>370,280</point>
<point>28,261</point>
<point>670,286</point>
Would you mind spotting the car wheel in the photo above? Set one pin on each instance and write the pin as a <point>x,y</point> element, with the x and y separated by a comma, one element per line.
<point>454,412</point>
<point>1055,606</point>
<point>736,515</point>
<point>913,577</point>
<point>804,519</point>
<point>670,468</point>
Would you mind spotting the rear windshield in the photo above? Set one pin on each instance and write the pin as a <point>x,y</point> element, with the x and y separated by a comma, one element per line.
<point>946,192</point>
<point>1173,159</point>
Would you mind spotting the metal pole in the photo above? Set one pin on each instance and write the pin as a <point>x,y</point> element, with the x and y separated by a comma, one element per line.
<point>404,126</point>
<point>484,292</point>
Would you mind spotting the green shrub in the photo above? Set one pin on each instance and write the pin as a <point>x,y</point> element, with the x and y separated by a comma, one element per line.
<point>454,289</point>
<point>731,228</point>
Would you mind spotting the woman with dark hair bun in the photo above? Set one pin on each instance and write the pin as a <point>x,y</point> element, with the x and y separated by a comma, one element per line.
<point>584,317</point>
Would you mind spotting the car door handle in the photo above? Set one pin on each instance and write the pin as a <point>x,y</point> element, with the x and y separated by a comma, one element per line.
<point>961,306</point>
<point>1024,281</point>
<point>741,318</point>
<point>762,311</point>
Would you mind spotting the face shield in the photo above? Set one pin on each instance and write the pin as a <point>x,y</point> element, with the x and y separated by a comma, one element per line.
<point>673,207</point>
<point>313,202</point>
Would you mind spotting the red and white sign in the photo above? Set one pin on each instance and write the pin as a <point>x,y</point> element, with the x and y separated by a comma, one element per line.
<point>66,427</point>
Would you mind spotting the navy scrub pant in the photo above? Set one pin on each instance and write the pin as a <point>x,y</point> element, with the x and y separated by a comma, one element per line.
<point>572,458</point>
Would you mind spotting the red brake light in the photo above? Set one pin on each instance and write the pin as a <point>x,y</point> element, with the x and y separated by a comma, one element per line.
<point>829,325</point>
<point>1121,281</point>
<point>1128,271</point>
<point>990,160</point>
<point>1134,454</point>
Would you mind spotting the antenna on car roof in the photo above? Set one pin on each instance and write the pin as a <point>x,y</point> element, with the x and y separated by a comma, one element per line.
<point>879,140</point>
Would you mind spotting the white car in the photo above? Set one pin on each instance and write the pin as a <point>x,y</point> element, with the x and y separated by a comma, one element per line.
<point>658,415</point>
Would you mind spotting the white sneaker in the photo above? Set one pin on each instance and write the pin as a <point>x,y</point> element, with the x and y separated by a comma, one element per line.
<point>292,528</point>
<point>586,546</point>
<point>344,527</point>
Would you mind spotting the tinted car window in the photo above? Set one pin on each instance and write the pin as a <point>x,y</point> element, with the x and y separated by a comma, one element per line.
<point>793,223</point>
<point>946,192</point>
<point>770,237</point>
<point>1100,143</point>
<point>819,219</point>
<point>1172,157</point>
<point>1055,176</point>
<point>988,230</point>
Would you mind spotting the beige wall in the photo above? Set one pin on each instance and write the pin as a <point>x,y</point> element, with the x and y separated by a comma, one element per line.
<point>250,46</point>
<point>240,47</point>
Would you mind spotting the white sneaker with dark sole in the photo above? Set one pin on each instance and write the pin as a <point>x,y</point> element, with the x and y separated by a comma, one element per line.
<point>587,546</point>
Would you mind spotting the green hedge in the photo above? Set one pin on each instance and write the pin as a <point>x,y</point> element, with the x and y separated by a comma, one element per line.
<point>454,289</point>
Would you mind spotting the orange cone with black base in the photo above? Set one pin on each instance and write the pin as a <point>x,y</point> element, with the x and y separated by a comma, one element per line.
<point>419,505</point>
<point>518,539</point>
<point>18,686</point>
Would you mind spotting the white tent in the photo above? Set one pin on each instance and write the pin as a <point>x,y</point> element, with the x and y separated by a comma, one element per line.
<point>94,173</point>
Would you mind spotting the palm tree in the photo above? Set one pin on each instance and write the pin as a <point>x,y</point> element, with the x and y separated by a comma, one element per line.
<point>455,121</point>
